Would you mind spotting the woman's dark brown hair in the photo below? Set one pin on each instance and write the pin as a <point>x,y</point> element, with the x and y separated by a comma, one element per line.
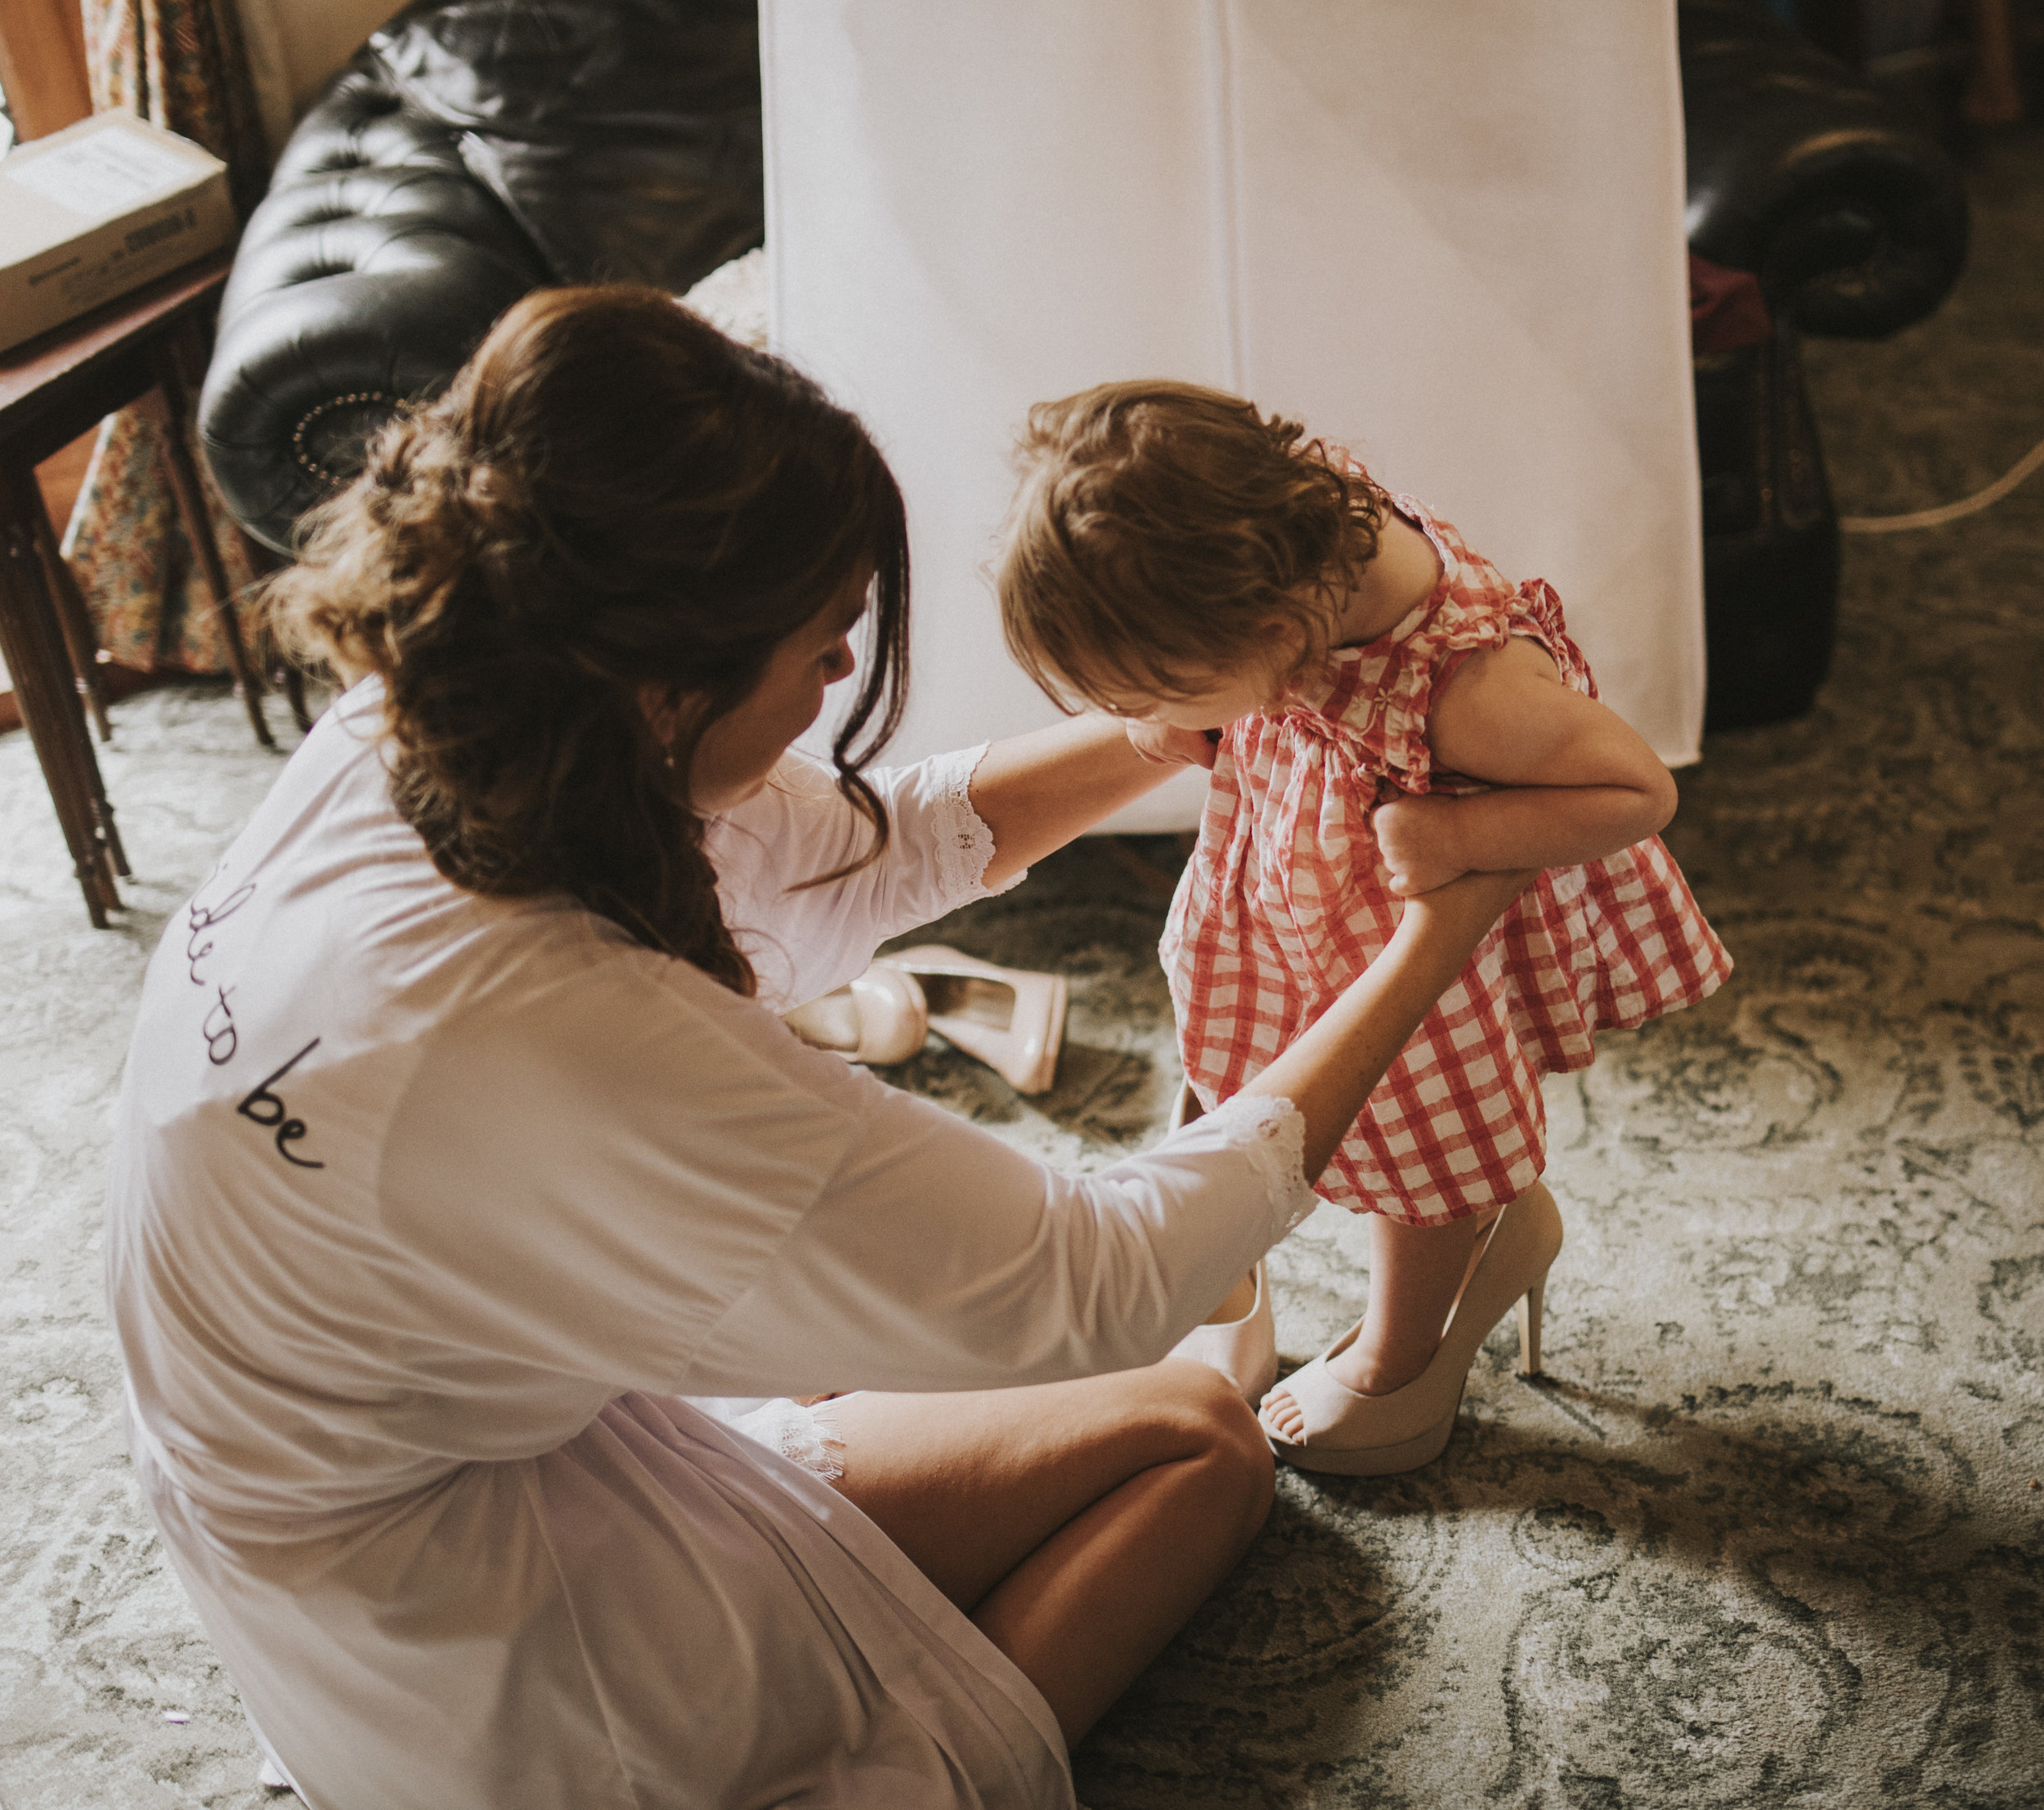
<point>610,495</point>
<point>1162,533</point>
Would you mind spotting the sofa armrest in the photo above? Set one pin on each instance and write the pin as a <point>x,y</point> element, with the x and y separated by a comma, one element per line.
<point>371,270</point>
<point>1852,216</point>
<point>473,150</point>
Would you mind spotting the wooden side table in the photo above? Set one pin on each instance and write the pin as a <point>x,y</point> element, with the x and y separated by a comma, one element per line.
<point>52,390</point>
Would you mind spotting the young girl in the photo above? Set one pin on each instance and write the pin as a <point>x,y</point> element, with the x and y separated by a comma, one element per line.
<point>1382,711</point>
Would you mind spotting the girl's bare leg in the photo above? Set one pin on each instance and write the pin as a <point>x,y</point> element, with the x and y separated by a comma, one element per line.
<point>1079,1523</point>
<point>1416,1274</point>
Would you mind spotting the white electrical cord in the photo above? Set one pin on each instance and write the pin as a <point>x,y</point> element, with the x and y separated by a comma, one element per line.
<point>1951,512</point>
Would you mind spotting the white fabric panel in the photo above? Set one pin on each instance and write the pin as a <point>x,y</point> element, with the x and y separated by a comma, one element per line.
<point>295,47</point>
<point>1449,236</point>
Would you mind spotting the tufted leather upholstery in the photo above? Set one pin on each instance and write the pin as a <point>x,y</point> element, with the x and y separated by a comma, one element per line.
<point>1854,219</point>
<point>474,150</point>
<point>1770,537</point>
<point>1855,223</point>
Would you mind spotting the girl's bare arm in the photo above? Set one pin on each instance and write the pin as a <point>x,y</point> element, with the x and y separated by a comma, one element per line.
<point>1576,781</point>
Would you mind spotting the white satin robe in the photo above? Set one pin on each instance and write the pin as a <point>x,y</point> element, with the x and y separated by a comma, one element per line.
<point>426,1209</point>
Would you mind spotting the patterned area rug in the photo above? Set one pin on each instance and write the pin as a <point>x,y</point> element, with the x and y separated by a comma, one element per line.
<point>1768,1532</point>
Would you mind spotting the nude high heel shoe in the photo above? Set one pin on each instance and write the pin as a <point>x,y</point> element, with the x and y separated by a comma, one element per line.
<point>879,1017</point>
<point>1011,1019</point>
<point>1380,1435</point>
<point>1244,1351</point>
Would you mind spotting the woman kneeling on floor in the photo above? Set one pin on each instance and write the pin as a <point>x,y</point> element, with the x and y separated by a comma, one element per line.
<point>460,1143</point>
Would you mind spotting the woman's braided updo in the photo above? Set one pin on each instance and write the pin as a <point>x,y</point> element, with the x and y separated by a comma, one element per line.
<point>610,495</point>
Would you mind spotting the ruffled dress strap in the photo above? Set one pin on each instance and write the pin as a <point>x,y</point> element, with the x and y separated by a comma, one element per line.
<point>1375,700</point>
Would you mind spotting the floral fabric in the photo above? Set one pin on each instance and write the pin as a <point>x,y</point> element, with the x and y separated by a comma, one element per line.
<point>179,64</point>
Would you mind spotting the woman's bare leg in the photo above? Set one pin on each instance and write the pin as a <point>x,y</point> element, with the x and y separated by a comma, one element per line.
<point>1079,1523</point>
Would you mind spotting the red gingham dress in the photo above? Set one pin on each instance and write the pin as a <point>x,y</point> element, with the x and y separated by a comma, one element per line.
<point>1285,901</point>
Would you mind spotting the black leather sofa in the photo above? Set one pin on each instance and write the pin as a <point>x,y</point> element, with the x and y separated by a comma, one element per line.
<point>476,149</point>
<point>1854,222</point>
<point>472,150</point>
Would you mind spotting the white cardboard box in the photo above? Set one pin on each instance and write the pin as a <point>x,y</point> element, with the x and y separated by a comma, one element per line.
<point>93,210</point>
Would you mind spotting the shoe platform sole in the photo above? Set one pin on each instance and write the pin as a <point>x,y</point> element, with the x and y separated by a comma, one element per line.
<point>1369,1461</point>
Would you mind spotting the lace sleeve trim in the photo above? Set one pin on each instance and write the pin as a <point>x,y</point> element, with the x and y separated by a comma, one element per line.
<point>805,1435</point>
<point>965,844</point>
<point>1267,1129</point>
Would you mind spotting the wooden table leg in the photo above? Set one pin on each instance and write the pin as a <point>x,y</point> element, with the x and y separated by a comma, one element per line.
<point>67,608</point>
<point>172,410</point>
<point>76,621</point>
<point>33,646</point>
<point>268,561</point>
<point>294,693</point>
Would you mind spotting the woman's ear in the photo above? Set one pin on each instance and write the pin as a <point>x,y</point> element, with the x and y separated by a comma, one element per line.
<point>660,704</point>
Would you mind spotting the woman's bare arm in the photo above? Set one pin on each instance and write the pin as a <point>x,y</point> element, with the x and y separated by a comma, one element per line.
<point>1037,791</point>
<point>1329,1074</point>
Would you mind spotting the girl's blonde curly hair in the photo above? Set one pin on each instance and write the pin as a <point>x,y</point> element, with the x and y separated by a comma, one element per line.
<point>1164,534</point>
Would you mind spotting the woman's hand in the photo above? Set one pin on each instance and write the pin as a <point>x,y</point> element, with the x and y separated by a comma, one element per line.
<point>1416,837</point>
<point>1164,746</point>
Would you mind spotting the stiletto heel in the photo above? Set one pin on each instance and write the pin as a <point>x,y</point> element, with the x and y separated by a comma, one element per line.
<point>1380,1435</point>
<point>1530,1329</point>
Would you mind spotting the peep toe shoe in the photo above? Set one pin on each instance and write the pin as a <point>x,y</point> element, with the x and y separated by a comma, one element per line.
<point>1379,1436</point>
<point>1011,1019</point>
